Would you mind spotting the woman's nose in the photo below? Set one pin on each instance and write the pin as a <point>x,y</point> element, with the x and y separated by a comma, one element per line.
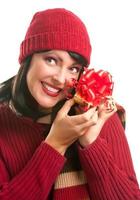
<point>60,77</point>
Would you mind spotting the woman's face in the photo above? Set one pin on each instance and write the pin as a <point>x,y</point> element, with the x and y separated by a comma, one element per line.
<point>49,74</point>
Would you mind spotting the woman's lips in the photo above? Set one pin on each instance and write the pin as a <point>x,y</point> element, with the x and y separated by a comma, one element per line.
<point>50,90</point>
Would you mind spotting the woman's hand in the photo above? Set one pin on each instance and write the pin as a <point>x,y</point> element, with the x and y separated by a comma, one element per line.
<point>103,113</point>
<point>67,129</point>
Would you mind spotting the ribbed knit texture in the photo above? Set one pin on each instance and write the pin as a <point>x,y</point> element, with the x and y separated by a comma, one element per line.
<point>33,170</point>
<point>56,29</point>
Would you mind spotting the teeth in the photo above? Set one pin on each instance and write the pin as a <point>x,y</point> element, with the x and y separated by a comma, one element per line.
<point>50,88</point>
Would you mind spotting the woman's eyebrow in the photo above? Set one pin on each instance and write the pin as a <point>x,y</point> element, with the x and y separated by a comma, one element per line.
<point>53,54</point>
<point>76,63</point>
<point>59,57</point>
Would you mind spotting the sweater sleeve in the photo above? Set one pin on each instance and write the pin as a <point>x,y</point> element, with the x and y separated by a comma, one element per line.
<point>108,165</point>
<point>36,179</point>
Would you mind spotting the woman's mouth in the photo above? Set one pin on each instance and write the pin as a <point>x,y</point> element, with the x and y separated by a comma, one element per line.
<point>50,90</point>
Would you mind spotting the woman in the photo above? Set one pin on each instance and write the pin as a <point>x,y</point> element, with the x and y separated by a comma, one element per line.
<point>46,150</point>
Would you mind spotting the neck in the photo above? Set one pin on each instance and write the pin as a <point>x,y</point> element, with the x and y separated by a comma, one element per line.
<point>45,119</point>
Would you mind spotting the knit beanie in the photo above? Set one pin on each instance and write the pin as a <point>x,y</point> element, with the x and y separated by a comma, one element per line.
<point>58,29</point>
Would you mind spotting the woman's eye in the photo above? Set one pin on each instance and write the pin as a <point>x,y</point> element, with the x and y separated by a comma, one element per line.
<point>50,60</point>
<point>75,69</point>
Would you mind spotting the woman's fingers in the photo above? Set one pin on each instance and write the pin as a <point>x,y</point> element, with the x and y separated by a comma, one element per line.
<point>79,122</point>
<point>91,122</point>
<point>76,119</point>
<point>84,117</point>
<point>107,109</point>
<point>66,108</point>
<point>108,106</point>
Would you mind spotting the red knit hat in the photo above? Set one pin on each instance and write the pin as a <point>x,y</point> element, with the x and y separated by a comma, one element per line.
<point>56,29</point>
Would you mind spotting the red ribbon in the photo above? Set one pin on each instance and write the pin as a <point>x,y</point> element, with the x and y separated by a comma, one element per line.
<point>93,87</point>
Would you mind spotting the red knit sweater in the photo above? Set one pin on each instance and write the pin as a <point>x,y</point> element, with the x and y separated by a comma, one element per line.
<point>29,167</point>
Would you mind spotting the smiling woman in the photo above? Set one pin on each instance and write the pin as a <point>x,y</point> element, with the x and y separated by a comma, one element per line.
<point>49,73</point>
<point>48,150</point>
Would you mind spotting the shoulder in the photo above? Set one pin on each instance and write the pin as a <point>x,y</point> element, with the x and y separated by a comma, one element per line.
<point>4,108</point>
<point>6,114</point>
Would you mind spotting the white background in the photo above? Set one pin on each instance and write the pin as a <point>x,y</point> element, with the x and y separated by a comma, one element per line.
<point>114,28</point>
